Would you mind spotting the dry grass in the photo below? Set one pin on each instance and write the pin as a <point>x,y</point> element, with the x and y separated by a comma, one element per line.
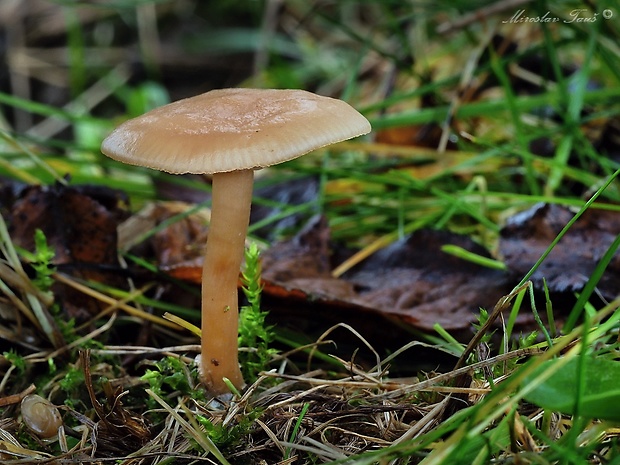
<point>312,417</point>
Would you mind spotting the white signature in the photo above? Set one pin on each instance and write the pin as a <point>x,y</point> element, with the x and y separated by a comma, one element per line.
<point>578,15</point>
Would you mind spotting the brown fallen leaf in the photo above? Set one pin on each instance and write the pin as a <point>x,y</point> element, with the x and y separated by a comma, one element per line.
<point>79,223</point>
<point>412,281</point>
<point>301,267</point>
<point>568,267</point>
<point>415,282</point>
<point>174,232</point>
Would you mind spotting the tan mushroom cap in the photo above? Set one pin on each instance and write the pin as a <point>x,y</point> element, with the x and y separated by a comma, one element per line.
<point>230,129</point>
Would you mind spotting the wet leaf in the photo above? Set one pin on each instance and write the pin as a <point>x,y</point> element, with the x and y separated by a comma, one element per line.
<point>414,281</point>
<point>183,240</point>
<point>570,264</point>
<point>300,269</point>
<point>411,281</point>
<point>79,223</point>
<point>174,233</point>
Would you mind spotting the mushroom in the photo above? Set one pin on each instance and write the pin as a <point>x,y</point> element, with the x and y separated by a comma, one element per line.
<point>229,133</point>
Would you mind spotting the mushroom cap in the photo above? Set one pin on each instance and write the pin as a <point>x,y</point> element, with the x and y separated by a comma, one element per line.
<point>231,129</point>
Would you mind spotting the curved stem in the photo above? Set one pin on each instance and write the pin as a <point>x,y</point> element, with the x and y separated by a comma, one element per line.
<point>230,216</point>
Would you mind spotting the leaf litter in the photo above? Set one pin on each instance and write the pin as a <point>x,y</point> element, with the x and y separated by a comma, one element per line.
<point>80,225</point>
<point>336,413</point>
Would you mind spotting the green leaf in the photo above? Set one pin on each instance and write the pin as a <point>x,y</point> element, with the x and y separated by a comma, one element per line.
<point>601,388</point>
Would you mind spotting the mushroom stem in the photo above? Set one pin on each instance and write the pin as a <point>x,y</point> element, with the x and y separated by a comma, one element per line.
<point>230,216</point>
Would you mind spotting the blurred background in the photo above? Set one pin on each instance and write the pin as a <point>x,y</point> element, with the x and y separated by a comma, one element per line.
<point>71,70</point>
<point>111,57</point>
